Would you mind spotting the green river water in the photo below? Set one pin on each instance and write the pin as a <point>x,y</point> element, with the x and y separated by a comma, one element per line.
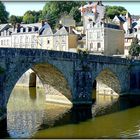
<point>30,116</point>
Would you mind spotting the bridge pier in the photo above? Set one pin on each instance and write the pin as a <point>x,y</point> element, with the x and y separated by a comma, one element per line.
<point>83,88</point>
<point>82,82</point>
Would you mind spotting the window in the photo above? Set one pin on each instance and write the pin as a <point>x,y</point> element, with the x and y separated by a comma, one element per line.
<point>21,39</point>
<point>48,41</point>
<point>1,42</point>
<point>15,41</point>
<point>90,35</point>
<point>33,38</point>
<point>26,39</point>
<point>98,34</point>
<point>7,42</point>
<point>32,46</point>
<point>91,46</point>
<point>63,39</point>
<point>98,46</point>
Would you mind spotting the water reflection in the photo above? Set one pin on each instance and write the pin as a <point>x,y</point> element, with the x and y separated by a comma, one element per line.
<point>32,93</point>
<point>29,115</point>
<point>24,114</point>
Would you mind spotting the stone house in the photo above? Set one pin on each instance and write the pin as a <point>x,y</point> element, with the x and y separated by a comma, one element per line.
<point>65,41</point>
<point>105,39</point>
<point>45,38</point>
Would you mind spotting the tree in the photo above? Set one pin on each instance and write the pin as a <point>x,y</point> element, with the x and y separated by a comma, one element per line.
<point>32,16</point>
<point>53,10</point>
<point>135,47</point>
<point>28,17</point>
<point>19,19</point>
<point>15,19</point>
<point>3,13</point>
<point>111,11</point>
<point>75,13</point>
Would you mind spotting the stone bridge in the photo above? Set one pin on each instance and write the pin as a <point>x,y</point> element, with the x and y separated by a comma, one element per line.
<point>72,74</point>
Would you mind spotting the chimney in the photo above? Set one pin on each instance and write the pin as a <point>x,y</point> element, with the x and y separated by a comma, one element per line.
<point>43,23</point>
<point>18,27</point>
<point>70,30</point>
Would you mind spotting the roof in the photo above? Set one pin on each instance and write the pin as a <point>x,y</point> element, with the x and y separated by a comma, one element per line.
<point>46,30</point>
<point>39,25</point>
<point>62,31</point>
<point>3,26</point>
<point>120,18</point>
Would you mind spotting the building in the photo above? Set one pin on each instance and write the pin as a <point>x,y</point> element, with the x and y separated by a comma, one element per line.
<point>128,41</point>
<point>5,35</point>
<point>94,12</point>
<point>119,20</point>
<point>45,38</point>
<point>67,21</point>
<point>26,35</point>
<point>101,38</point>
<point>105,39</point>
<point>64,40</point>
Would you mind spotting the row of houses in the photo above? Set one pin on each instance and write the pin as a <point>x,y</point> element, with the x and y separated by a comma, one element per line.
<point>96,35</point>
<point>37,35</point>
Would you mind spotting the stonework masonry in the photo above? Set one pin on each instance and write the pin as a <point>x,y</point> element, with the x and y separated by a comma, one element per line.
<point>71,74</point>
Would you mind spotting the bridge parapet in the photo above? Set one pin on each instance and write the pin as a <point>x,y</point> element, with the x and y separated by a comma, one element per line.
<point>20,52</point>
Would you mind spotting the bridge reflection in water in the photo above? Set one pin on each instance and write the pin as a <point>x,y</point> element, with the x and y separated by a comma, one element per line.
<point>30,116</point>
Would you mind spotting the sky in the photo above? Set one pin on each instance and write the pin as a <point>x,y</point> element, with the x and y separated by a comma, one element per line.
<point>19,8</point>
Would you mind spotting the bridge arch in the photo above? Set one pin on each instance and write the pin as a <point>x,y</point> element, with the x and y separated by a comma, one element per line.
<point>48,69</point>
<point>107,82</point>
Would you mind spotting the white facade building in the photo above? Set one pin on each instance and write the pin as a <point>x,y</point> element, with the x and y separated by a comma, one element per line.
<point>39,36</point>
<point>26,36</point>
<point>102,39</point>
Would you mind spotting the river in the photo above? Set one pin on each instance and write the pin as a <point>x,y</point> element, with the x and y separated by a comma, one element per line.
<point>30,116</point>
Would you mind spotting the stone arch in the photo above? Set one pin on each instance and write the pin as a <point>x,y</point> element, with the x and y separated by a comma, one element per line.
<point>12,76</point>
<point>108,82</point>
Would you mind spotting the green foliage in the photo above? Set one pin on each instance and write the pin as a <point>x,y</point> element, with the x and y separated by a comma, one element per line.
<point>32,16</point>
<point>15,19</point>
<point>111,11</point>
<point>53,10</point>
<point>134,48</point>
<point>3,13</point>
<point>28,17</point>
<point>75,13</point>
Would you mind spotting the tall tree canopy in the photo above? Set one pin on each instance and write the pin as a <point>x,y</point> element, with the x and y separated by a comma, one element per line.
<point>53,10</point>
<point>31,16</point>
<point>135,47</point>
<point>111,11</point>
<point>3,13</point>
<point>15,19</point>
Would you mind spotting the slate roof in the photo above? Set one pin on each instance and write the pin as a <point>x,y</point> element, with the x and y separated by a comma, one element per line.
<point>62,31</point>
<point>46,30</point>
<point>3,26</point>
<point>39,25</point>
